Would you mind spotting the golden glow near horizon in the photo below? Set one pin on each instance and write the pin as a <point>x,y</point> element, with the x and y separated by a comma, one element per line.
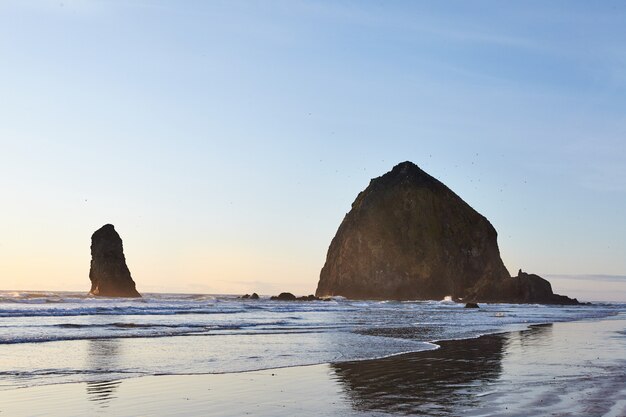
<point>203,269</point>
<point>213,270</point>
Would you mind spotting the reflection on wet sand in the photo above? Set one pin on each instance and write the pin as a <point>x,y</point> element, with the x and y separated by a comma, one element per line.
<point>435,382</point>
<point>102,358</point>
<point>537,335</point>
<point>102,392</point>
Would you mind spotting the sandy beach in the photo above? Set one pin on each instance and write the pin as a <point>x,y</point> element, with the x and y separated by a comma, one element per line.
<point>561,369</point>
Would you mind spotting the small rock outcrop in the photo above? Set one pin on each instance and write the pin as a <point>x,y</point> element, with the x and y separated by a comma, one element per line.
<point>287,296</point>
<point>284,296</point>
<point>309,297</point>
<point>471,305</point>
<point>525,288</point>
<point>109,274</point>
<point>254,296</point>
<point>409,237</point>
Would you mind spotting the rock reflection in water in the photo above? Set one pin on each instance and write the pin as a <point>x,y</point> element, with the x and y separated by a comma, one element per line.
<point>102,360</point>
<point>436,382</point>
<point>102,392</point>
<point>537,335</point>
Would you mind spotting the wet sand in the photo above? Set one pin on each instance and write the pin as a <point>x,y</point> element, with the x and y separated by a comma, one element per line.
<point>563,369</point>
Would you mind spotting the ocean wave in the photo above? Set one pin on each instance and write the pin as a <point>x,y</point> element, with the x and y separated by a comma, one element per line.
<point>112,311</point>
<point>33,332</point>
<point>78,316</point>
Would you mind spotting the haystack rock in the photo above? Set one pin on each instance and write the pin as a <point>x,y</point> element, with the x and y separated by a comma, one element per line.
<point>109,274</point>
<point>409,237</point>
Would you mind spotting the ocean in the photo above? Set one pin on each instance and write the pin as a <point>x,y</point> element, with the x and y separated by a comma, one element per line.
<point>59,337</point>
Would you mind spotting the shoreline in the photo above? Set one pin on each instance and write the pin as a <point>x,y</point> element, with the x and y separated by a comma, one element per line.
<point>484,375</point>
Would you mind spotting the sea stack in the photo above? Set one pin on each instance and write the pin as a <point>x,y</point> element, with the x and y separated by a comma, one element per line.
<point>109,274</point>
<point>409,237</point>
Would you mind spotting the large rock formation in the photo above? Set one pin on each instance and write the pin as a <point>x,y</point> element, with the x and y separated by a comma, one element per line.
<point>109,274</point>
<point>409,237</point>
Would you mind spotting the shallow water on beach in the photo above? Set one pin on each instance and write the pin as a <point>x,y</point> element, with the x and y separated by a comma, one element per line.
<point>48,338</point>
<point>564,369</point>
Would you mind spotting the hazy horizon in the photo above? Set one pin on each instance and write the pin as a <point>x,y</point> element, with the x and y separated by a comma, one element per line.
<point>583,287</point>
<point>226,141</point>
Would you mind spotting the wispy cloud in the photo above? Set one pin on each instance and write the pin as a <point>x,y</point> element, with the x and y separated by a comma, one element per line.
<point>591,277</point>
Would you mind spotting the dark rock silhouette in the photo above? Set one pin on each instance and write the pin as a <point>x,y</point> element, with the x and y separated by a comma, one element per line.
<point>525,288</point>
<point>254,296</point>
<point>472,305</point>
<point>287,296</point>
<point>284,296</point>
<point>409,237</point>
<point>309,297</point>
<point>109,274</point>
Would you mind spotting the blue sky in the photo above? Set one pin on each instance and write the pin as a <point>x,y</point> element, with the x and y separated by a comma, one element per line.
<point>226,140</point>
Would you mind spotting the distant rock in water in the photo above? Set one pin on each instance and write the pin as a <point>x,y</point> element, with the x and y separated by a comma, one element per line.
<point>284,296</point>
<point>254,296</point>
<point>309,297</point>
<point>287,296</point>
<point>109,274</point>
<point>409,237</point>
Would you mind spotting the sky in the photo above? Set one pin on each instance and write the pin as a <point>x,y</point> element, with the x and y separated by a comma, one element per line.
<point>226,140</point>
